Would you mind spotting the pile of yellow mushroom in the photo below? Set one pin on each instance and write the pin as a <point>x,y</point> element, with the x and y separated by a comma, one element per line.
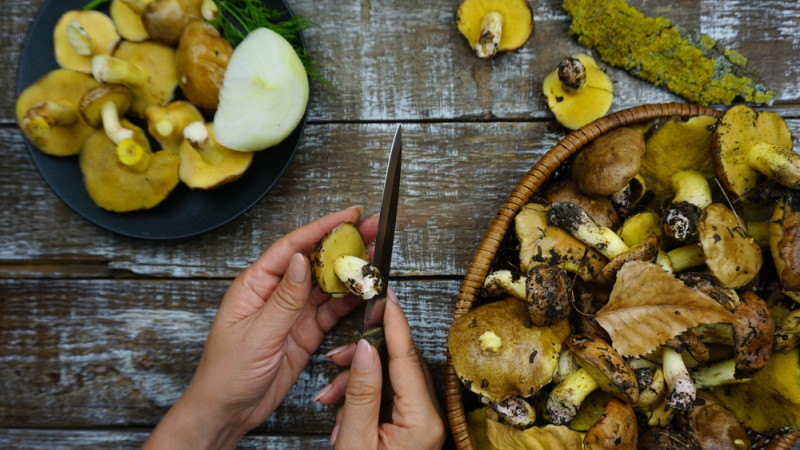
<point>161,63</point>
<point>654,297</point>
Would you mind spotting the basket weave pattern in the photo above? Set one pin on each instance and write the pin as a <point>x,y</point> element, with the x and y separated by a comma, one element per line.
<point>530,183</point>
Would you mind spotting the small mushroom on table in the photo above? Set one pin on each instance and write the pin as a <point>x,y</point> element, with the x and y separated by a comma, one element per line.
<point>80,35</point>
<point>492,26</point>
<point>47,112</point>
<point>578,91</point>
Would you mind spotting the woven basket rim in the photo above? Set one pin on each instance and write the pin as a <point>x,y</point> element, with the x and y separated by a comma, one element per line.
<point>539,173</point>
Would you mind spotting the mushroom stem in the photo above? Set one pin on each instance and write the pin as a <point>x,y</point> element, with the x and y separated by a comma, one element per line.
<point>572,74</point>
<point>45,115</point>
<point>197,135</point>
<point>577,222</point>
<point>111,124</point>
<point>652,390</point>
<point>686,257</point>
<point>209,10</point>
<point>718,374</point>
<point>567,396</point>
<point>79,38</point>
<point>504,282</point>
<point>779,164</point>
<point>133,155</point>
<point>692,187</point>
<point>110,69</point>
<point>629,196</point>
<point>681,389</point>
<point>515,411</point>
<point>692,194</point>
<point>491,32</point>
<point>361,278</point>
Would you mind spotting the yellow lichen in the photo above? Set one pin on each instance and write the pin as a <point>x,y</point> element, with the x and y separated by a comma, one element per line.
<point>687,63</point>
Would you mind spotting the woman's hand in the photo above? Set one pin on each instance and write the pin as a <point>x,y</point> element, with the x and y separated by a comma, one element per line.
<point>268,325</point>
<point>416,420</point>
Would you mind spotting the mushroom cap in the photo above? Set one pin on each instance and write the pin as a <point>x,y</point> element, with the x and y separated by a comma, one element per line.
<point>600,208</point>
<point>576,108</point>
<point>58,85</point>
<point>737,131</point>
<point>608,368</point>
<point>197,173</point>
<point>102,33</point>
<point>753,335</point>
<point>113,186</point>
<point>609,163</point>
<point>164,20</point>
<point>127,21</point>
<point>517,21</point>
<point>712,425</point>
<point>157,61</point>
<point>549,295</point>
<point>178,114</point>
<point>526,359</point>
<point>91,104</point>
<point>677,144</point>
<point>731,255</point>
<point>548,244</point>
<point>345,239</point>
<point>616,428</point>
<point>784,242</point>
<point>201,59</point>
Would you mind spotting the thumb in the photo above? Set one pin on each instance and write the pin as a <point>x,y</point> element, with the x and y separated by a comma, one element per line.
<point>290,296</point>
<point>362,402</point>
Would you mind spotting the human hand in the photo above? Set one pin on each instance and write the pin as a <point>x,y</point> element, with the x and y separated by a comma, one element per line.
<point>267,327</point>
<point>416,419</point>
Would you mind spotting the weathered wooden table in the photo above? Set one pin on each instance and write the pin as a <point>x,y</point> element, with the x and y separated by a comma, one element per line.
<point>100,334</point>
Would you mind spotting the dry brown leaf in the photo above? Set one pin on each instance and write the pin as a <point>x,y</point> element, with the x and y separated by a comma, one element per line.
<point>648,306</point>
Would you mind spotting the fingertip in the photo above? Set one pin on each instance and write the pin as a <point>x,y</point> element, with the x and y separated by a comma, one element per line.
<point>298,269</point>
<point>364,357</point>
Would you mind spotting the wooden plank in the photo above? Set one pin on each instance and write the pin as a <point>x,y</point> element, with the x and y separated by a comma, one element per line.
<point>420,68</point>
<point>100,353</point>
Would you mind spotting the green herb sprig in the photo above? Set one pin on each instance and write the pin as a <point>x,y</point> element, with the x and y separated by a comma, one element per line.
<point>95,4</point>
<point>238,18</point>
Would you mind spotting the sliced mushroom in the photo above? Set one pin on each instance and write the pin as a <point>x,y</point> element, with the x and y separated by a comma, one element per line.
<point>601,366</point>
<point>609,163</point>
<point>79,35</point>
<point>47,112</point>
<point>578,91</point>
<point>492,26</point>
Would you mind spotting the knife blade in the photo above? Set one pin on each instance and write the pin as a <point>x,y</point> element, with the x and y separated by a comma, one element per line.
<point>384,241</point>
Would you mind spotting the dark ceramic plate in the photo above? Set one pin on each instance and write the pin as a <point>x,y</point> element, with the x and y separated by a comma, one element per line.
<point>185,212</point>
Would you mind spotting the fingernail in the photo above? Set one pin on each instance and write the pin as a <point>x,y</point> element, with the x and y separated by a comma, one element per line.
<point>334,433</point>
<point>336,351</point>
<point>362,359</point>
<point>391,294</point>
<point>298,270</point>
<point>360,209</point>
<point>321,392</point>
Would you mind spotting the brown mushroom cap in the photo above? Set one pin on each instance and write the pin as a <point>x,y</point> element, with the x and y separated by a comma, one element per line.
<point>600,208</point>
<point>784,243</point>
<point>549,295</point>
<point>517,21</point>
<point>164,19</point>
<point>201,60</point>
<point>609,163</point>
<point>753,335</point>
<point>66,88</point>
<point>101,37</point>
<point>711,425</point>
<point>616,428</point>
<point>608,368</point>
<point>115,187</point>
<point>731,255</point>
<point>524,362</point>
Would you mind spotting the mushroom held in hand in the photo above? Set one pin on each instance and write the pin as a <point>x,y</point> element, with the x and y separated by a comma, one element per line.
<point>496,353</point>
<point>264,93</point>
<point>79,35</point>
<point>492,26</point>
<point>47,112</point>
<point>206,165</point>
<point>339,264</point>
<point>201,59</point>
<point>115,186</point>
<point>578,91</point>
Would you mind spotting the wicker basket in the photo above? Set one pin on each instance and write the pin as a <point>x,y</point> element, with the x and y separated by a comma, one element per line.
<point>494,237</point>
